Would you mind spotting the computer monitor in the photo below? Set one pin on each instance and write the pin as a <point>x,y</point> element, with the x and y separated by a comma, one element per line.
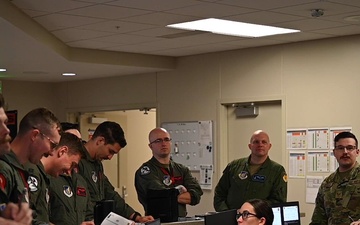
<point>226,217</point>
<point>163,204</point>
<point>286,213</point>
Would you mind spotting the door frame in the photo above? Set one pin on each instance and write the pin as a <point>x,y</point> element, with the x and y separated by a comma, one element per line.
<point>222,130</point>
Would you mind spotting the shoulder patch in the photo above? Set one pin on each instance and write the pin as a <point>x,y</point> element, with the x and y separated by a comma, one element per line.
<point>67,191</point>
<point>3,181</point>
<point>33,183</point>
<point>285,178</point>
<point>145,170</point>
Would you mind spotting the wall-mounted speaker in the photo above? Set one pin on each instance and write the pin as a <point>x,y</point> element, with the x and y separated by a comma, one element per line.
<point>247,111</point>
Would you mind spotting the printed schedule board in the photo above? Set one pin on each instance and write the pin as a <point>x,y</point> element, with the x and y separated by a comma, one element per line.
<point>192,143</point>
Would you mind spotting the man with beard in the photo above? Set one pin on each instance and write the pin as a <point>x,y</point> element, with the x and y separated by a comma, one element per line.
<point>338,198</point>
<point>11,214</point>
<point>252,177</point>
<point>160,173</point>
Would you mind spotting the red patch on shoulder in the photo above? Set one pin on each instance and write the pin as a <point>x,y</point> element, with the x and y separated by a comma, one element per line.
<point>3,181</point>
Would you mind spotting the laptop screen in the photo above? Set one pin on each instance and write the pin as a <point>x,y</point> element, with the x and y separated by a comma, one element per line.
<point>286,213</point>
<point>277,215</point>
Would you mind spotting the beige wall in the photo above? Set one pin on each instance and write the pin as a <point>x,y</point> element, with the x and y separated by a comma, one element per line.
<point>317,80</point>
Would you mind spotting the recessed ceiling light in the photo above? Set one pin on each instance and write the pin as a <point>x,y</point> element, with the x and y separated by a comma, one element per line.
<point>232,28</point>
<point>69,74</point>
<point>2,70</point>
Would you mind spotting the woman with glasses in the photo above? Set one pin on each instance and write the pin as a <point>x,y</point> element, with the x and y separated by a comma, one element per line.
<point>255,211</point>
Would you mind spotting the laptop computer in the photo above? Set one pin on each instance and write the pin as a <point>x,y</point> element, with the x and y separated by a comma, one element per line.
<point>221,218</point>
<point>286,213</point>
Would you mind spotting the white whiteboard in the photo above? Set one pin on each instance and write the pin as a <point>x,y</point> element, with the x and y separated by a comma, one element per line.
<point>192,143</point>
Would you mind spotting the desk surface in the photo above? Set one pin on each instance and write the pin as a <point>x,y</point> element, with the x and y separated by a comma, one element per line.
<point>189,222</point>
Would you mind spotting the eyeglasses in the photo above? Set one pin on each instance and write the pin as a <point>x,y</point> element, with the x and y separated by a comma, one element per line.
<point>342,148</point>
<point>246,214</point>
<point>53,144</point>
<point>159,140</point>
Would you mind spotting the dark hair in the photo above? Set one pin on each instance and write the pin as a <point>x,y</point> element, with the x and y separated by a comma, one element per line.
<point>262,208</point>
<point>68,126</point>
<point>112,132</point>
<point>40,118</point>
<point>73,143</point>
<point>343,135</point>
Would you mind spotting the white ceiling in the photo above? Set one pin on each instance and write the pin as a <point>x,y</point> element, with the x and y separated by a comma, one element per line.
<point>40,39</point>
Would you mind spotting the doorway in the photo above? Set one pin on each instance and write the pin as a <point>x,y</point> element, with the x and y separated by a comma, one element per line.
<point>121,169</point>
<point>240,129</point>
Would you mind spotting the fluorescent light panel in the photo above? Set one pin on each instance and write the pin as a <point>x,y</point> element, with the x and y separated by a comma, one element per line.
<point>232,28</point>
<point>69,74</point>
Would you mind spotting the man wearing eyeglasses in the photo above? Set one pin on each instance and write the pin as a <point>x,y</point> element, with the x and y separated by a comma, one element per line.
<point>11,214</point>
<point>37,136</point>
<point>108,139</point>
<point>160,172</point>
<point>338,198</point>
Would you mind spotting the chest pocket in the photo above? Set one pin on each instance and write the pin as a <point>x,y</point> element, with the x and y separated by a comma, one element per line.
<point>354,192</point>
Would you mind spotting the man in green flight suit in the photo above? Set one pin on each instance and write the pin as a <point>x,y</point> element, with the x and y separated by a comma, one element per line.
<point>10,213</point>
<point>37,137</point>
<point>108,139</point>
<point>160,172</point>
<point>338,198</point>
<point>65,157</point>
<point>69,194</point>
<point>255,176</point>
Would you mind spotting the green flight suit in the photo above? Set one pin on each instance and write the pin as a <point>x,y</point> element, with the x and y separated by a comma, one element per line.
<point>236,185</point>
<point>13,178</point>
<point>38,182</point>
<point>154,175</point>
<point>69,200</point>
<point>338,199</point>
<point>100,187</point>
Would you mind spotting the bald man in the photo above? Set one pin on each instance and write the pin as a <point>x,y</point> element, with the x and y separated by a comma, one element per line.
<point>255,176</point>
<point>160,172</point>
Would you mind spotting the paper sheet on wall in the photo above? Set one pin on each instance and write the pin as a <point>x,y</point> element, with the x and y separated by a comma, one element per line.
<point>297,164</point>
<point>312,186</point>
<point>318,138</point>
<point>318,161</point>
<point>296,139</point>
<point>206,172</point>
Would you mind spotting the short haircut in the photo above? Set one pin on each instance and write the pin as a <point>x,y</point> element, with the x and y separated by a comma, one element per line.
<point>262,208</point>
<point>343,135</point>
<point>68,126</point>
<point>73,143</point>
<point>112,132</point>
<point>39,118</point>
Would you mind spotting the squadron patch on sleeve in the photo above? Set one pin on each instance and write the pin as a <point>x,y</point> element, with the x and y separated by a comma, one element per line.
<point>285,178</point>
<point>33,183</point>
<point>145,170</point>
<point>94,177</point>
